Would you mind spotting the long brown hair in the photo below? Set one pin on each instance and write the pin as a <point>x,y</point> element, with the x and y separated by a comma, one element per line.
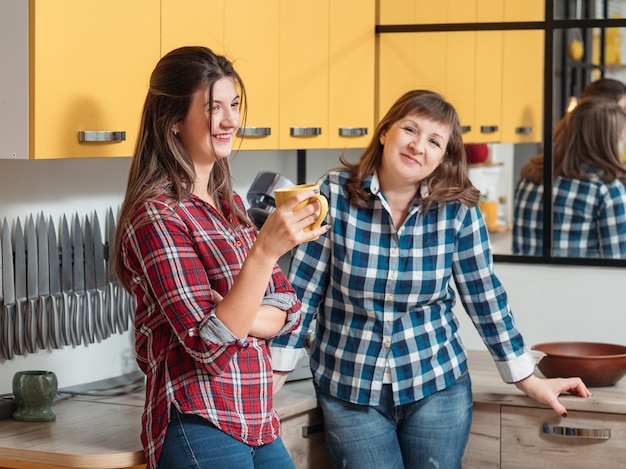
<point>448,182</point>
<point>160,160</point>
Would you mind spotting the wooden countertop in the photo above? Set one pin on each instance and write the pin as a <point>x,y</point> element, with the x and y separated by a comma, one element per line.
<point>99,432</point>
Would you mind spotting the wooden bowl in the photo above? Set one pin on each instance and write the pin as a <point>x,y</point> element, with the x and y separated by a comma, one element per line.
<point>597,364</point>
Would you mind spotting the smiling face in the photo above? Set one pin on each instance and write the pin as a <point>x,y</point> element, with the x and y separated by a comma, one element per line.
<point>413,147</point>
<point>208,130</point>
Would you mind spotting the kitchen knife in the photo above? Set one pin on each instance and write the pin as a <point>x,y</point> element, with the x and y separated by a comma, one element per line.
<point>55,299</point>
<point>43,282</point>
<point>32,286</point>
<point>21,301</point>
<point>8,292</point>
<point>90,285</point>
<point>67,286</point>
<point>116,301</point>
<point>101,280</point>
<point>78,278</point>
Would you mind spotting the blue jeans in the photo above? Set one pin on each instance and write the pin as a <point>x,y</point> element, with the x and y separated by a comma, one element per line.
<point>192,442</point>
<point>430,433</point>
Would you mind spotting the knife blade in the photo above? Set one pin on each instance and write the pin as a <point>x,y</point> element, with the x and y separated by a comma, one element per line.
<point>67,286</point>
<point>32,286</point>
<point>43,282</point>
<point>55,298</point>
<point>114,301</point>
<point>78,278</point>
<point>8,291</point>
<point>20,289</point>
<point>90,283</point>
<point>100,275</point>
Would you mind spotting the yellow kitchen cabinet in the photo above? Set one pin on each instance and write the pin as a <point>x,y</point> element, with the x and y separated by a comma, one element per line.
<point>395,70</point>
<point>251,41</point>
<point>303,74</point>
<point>522,86</point>
<point>351,73</point>
<point>527,10</point>
<point>404,11</point>
<point>89,67</point>
<point>461,79</point>
<point>192,23</point>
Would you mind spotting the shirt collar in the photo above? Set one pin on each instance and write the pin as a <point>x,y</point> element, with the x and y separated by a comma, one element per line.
<point>374,186</point>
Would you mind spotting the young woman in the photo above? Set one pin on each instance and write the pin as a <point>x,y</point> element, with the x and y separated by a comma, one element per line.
<point>589,187</point>
<point>209,293</point>
<point>388,363</point>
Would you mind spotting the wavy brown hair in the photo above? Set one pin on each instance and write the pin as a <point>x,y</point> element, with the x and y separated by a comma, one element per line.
<point>448,182</point>
<point>160,160</point>
<point>587,137</point>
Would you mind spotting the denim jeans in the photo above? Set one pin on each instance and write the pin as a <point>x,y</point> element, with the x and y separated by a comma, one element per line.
<point>191,442</point>
<point>430,433</point>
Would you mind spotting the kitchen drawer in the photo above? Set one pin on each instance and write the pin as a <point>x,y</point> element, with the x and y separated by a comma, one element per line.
<point>303,436</point>
<point>524,443</point>
<point>483,446</point>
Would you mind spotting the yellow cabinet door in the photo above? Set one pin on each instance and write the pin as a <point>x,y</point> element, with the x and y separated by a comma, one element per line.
<point>90,66</point>
<point>303,74</point>
<point>461,79</point>
<point>400,12</point>
<point>460,11</point>
<point>251,41</point>
<point>526,10</point>
<point>192,23</point>
<point>351,73</point>
<point>522,86</point>
<point>488,88</point>
<point>430,61</point>
<point>489,11</point>
<point>395,70</point>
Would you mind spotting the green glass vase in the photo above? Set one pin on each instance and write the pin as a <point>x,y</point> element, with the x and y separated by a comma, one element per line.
<point>34,392</point>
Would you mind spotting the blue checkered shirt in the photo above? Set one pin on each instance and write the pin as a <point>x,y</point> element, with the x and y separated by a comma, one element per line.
<point>589,218</point>
<point>383,298</point>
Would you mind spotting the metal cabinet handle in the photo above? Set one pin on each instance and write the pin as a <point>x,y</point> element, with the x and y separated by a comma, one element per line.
<point>352,131</point>
<point>488,129</point>
<point>523,130</point>
<point>466,128</point>
<point>254,132</point>
<point>305,131</point>
<point>573,432</point>
<point>101,136</point>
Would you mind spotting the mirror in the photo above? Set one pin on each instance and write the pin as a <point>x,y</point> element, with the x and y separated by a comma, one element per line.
<point>583,50</point>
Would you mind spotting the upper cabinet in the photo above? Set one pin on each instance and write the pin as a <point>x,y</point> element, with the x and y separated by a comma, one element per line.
<point>88,75</point>
<point>480,71</point>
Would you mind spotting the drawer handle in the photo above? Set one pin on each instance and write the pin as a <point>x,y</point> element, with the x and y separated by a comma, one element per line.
<point>101,136</point>
<point>310,430</point>
<point>254,132</point>
<point>352,131</point>
<point>523,130</point>
<point>573,432</point>
<point>305,131</point>
<point>488,129</point>
<point>466,128</point>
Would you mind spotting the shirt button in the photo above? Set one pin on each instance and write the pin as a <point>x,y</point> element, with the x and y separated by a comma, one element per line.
<point>393,275</point>
<point>238,243</point>
<point>387,343</point>
<point>394,252</point>
<point>389,297</point>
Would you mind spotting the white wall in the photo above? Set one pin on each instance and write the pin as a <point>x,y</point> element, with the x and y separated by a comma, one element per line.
<point>550,303</point>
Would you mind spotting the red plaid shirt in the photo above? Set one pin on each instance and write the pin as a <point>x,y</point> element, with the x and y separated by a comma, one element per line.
<point>174,255</point>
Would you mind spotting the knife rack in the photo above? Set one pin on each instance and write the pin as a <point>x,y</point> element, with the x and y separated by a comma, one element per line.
<point>57,284</point>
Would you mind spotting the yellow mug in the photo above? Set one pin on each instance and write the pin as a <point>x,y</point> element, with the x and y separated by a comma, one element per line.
<point>283,194</point>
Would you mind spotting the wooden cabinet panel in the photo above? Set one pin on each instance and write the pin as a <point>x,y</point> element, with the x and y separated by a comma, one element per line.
<point>256,61</point>
<point>528,10</point>
<point>522,86</point>
<point>303,77</point>
<point>489,107</point>
<point>461,80</point>
<point>303,436</point>
<point>396,69</point>
<point>483,446</point>
<point>525,444</point>
<point>192,23</point>
<point>86,75</point>
<point>351,73</point>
